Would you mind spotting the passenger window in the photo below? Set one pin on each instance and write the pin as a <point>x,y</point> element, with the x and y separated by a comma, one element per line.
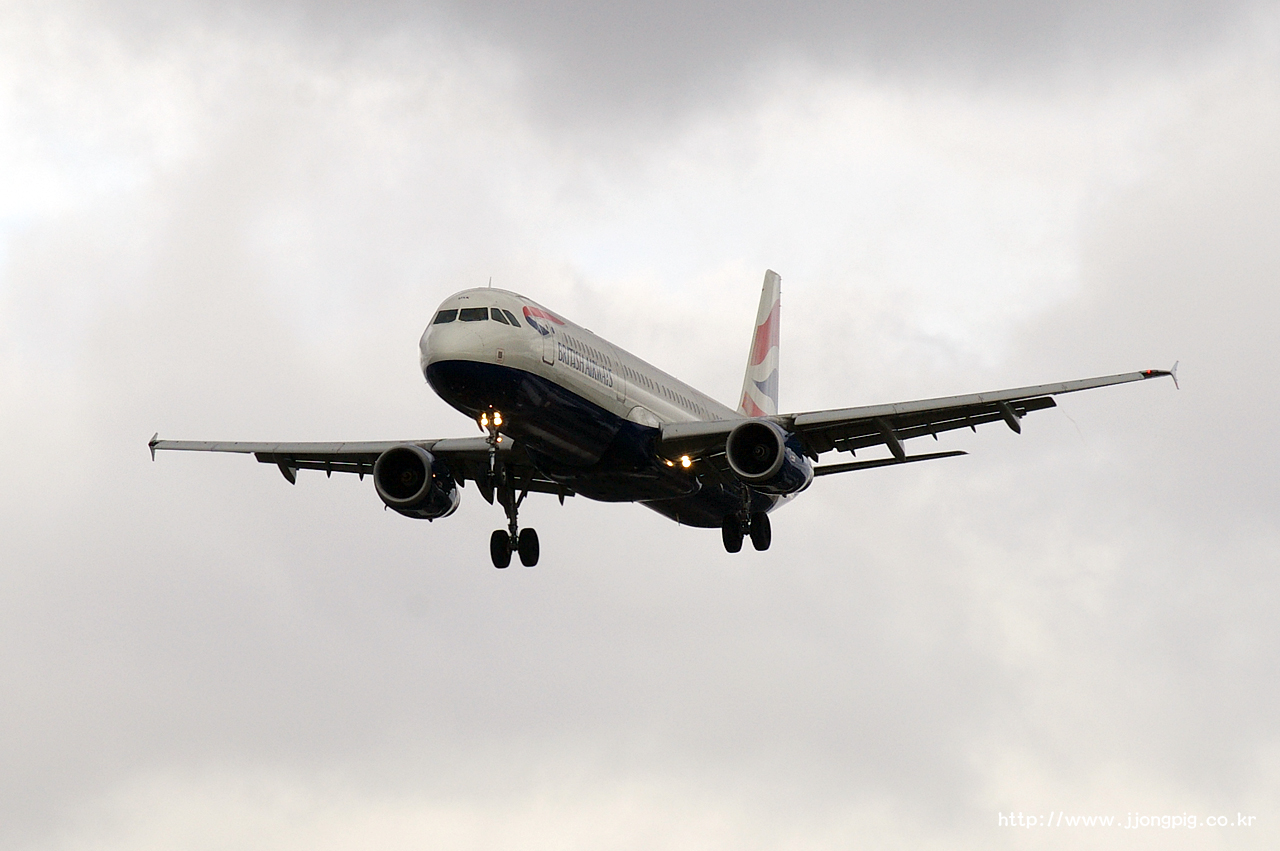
<point>511,316</point>
<point>473,314</point>
<point>497,316</point>
<point>445,316</point>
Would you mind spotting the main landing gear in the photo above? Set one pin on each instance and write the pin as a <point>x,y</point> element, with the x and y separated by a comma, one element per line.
<point>504,542</point>
<point>733,529</point>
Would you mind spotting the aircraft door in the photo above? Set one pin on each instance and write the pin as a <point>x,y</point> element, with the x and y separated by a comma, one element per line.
<point>549,347</point>
<point>619,377</point>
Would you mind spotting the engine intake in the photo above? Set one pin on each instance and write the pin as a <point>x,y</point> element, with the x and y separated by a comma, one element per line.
<point>412,481</point>
<point>758,455</point>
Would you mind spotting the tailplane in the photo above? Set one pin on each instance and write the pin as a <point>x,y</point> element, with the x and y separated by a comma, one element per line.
<point>760,385</point>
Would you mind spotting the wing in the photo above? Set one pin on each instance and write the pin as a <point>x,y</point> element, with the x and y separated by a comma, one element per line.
<point>467,457</point>
<point>850,429</point>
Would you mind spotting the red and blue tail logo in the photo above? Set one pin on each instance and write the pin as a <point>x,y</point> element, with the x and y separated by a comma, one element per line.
<point>760,385</point>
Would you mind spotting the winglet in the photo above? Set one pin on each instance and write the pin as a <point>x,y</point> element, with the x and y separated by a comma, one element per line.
<point>1158,373</point>
<point>151,444</point>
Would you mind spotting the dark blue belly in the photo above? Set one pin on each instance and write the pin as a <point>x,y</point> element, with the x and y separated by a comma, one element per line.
<point>571,440</point>
<point>546,418</point>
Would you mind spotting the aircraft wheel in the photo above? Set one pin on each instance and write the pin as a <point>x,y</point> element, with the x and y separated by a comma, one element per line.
<point>731,533</point>
<point>528,547</point>
<point>761,533</point>
<point>500,548</point>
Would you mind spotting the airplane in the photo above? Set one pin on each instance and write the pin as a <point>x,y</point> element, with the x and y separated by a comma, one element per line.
<point>567,413</point>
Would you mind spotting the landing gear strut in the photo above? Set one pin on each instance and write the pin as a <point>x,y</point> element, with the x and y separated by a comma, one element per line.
<point>733,530</point>
<point>503,542</point>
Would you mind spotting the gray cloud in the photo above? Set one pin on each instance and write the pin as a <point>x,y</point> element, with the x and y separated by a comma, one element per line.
<point>662,56</point>
<point>635,68</point>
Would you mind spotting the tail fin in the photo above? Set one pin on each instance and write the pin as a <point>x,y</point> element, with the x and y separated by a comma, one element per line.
<point>760,384</point>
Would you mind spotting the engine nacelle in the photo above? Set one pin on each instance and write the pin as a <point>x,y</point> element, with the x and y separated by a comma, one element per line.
<point>415,483</point>
<point>758,455</point>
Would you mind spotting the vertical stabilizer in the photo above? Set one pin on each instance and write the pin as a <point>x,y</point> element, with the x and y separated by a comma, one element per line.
<point>760,385</point>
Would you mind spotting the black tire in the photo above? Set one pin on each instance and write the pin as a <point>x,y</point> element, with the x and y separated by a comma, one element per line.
<point>761,532</point>
<point>731,533</point>
<point>500,548</point>
<point>528,547</point>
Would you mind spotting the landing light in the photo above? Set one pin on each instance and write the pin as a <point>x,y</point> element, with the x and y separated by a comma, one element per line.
<point>484,421</point>
<point>685,462</point>
<point>497,418</point>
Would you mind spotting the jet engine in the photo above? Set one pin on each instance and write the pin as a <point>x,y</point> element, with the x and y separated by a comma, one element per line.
<point>415,483</point>
<point>758,455</point>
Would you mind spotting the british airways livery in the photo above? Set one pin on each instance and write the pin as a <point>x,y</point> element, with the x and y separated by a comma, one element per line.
<point>567,413</point>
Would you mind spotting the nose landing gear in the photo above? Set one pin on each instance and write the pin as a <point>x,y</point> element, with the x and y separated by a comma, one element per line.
<point>503,542</point>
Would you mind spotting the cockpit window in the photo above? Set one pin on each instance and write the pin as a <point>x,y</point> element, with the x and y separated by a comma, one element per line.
<point>497,316</point>
<point>514,321</point>
<point>473,314</point>
<point>445,316</point>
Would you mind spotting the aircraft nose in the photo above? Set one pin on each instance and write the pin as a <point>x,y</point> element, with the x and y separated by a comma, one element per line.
<point>448,342</point>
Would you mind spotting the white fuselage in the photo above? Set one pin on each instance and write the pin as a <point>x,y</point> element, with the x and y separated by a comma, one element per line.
<point>551,347</point>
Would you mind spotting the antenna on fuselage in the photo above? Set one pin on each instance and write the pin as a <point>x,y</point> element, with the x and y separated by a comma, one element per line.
<point>491,282</point>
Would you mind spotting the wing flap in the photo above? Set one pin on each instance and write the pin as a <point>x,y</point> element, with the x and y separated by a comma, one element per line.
<point>828,469</point>
<point>858,434</point>
<point>468,457</point>
<point>332,450</point>
<point>849,429</point>
<point>370,447</point>
<point>922,406</point>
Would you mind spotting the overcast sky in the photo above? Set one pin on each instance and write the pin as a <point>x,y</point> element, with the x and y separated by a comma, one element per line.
<point>233,221</point>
